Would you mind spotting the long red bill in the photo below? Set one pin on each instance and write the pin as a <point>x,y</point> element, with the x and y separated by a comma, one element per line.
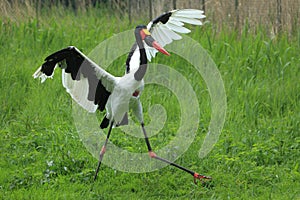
<point>160,48</point>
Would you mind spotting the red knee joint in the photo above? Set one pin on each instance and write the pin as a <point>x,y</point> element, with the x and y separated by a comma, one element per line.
<point>152,154</point>
<point>103,150</point>
<point>196,175</point>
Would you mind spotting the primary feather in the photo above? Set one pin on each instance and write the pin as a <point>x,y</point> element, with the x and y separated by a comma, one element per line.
<point>166,27</point>
<point>87,83</point>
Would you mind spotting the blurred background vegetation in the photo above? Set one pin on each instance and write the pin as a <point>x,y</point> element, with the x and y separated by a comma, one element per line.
<point>274,15</point>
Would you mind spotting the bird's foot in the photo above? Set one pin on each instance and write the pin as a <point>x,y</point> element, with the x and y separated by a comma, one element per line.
<point>200,177</point>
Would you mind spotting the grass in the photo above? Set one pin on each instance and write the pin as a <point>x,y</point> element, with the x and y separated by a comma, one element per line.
<point>256,157</point>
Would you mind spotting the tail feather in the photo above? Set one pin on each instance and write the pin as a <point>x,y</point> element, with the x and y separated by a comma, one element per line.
<point>104,123</point>
<point>124,120</point>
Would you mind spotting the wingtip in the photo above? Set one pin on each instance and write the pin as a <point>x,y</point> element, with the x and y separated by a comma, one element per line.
<point>39,74</point>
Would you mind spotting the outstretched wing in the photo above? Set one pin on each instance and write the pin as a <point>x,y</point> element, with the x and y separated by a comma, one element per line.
<point>165,28</point>
<point>87,83</point>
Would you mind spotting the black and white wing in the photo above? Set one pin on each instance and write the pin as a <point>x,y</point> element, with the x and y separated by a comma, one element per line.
<point>165,28</point>
<point>88,84</point>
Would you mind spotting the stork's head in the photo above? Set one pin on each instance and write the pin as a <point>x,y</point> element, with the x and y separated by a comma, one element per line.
<point>142,34</point>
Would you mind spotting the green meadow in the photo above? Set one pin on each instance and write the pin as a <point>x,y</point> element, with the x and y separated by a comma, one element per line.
<point>256,157</point>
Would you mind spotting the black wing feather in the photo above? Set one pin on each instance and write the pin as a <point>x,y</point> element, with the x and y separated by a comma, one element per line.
<point>76,65</point>
<point>164,18</point>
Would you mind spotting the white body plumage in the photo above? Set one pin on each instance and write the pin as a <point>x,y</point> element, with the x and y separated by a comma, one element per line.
<point>118,102</point>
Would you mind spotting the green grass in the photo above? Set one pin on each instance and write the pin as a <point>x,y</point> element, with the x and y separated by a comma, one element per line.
<point>256,157</point>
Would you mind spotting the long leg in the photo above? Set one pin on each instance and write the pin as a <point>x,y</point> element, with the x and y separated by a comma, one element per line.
<point>103,149</point>
<point>153,155</point>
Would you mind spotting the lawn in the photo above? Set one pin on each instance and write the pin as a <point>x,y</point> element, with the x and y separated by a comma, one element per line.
<point>256,156</point>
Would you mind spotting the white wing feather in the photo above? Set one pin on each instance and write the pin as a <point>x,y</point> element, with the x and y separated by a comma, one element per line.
<point>78,90</point>
<point>165,33</point>
<point>190,13</point>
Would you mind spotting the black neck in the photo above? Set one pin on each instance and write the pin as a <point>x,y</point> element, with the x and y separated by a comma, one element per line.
<point>140,73</point>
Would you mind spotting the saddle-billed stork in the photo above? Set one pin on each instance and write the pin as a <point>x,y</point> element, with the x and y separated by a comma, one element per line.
<point>93,88</point>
